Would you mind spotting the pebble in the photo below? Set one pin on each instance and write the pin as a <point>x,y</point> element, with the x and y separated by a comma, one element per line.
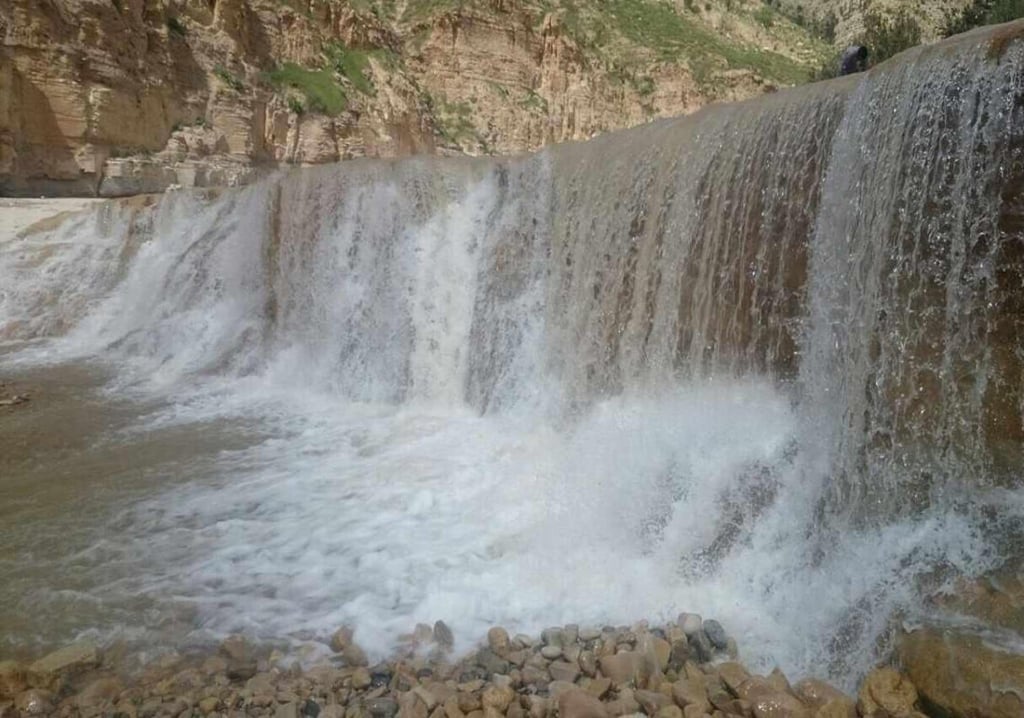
<point>574,671</point>
<point>716,634</point>
<point>341,639</point>
<point>579,704</point>
<point>35,702</point>
<point>13,679</point>
<point>690,623</point>
<point>564,671</point>
<point>491,662</point>
<point>551,637</point>
<point>551,652</point>
<point>498,640</point>
<point>588,663</point>
<point>623,668</point>
<point>381,707</point>
<point>701,646</point>
<point>443,635</point>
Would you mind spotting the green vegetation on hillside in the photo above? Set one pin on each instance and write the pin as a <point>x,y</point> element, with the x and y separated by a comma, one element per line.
<point>350,64</point>
<point>322,92</point>
<point>621,32</point>
<point>885,35</point>
<point>625,36</point>
<point>323,89</point>
<point>822,26</point>
<point>982,12</point>
<point>229,78</point>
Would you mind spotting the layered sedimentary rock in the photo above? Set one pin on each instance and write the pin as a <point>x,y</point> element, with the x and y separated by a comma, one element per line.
<point>117,97</point>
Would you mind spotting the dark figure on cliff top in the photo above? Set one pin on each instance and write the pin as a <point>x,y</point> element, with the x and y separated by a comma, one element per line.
<point>854,59</point>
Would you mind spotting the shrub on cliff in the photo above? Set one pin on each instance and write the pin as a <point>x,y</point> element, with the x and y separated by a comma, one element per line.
<point>982,12</point>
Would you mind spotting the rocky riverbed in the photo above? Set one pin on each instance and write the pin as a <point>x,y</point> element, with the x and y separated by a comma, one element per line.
<point>688,669</point>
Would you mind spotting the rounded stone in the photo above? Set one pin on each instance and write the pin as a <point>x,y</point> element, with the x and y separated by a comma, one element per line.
<point>341,639</point>
<point>498,640</point>
<point>691,623</point>
<point>443,635</point>
<point>716,634</point>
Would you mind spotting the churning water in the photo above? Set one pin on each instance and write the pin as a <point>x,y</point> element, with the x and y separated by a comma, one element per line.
<point>763,363</point>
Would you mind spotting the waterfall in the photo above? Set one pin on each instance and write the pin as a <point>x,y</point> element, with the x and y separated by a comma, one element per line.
<point>742,349</point>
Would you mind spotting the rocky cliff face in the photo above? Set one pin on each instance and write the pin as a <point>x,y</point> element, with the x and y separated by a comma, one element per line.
<point>116,97</point>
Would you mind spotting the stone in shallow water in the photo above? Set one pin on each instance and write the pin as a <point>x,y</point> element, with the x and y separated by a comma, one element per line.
<point>69,660</point>
<point>355,656</point>
<point>13,679</point>
<point>341,639</point>
<point>35,702</point>
<point>101,691</point>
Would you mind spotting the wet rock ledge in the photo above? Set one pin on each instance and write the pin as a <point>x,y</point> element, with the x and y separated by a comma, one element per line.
<point>688,669</point>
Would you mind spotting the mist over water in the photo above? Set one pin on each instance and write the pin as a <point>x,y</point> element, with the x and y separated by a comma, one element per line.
<point>758,363</point>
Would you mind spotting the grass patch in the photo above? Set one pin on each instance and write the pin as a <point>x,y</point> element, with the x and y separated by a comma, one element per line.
<point>228,78</point>
<point>534,102</point>
<point>350,64</point>
<point>322,92</point>
<point>498,88</point>
<point>644,85</point>
<point>454,121</point>
<point>674,37</point>
<point>765,17</point>
<point>822,25</point>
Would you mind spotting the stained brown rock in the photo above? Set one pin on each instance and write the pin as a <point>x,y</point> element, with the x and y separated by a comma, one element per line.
<point>886,690</point>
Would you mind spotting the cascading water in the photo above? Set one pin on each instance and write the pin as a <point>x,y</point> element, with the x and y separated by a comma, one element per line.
<point>762,363</point>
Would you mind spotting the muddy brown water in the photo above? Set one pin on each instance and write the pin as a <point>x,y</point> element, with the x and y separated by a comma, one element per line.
<point>72,468</point>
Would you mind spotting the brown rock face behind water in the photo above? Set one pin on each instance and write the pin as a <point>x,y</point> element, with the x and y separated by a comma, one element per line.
<point>128,97</point>
<point>960,675</point>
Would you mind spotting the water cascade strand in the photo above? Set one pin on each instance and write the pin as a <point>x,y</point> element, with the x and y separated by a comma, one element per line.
<point>763,362</point>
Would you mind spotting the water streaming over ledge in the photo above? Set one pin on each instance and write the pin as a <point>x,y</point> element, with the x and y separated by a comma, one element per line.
<point>764,362</point>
